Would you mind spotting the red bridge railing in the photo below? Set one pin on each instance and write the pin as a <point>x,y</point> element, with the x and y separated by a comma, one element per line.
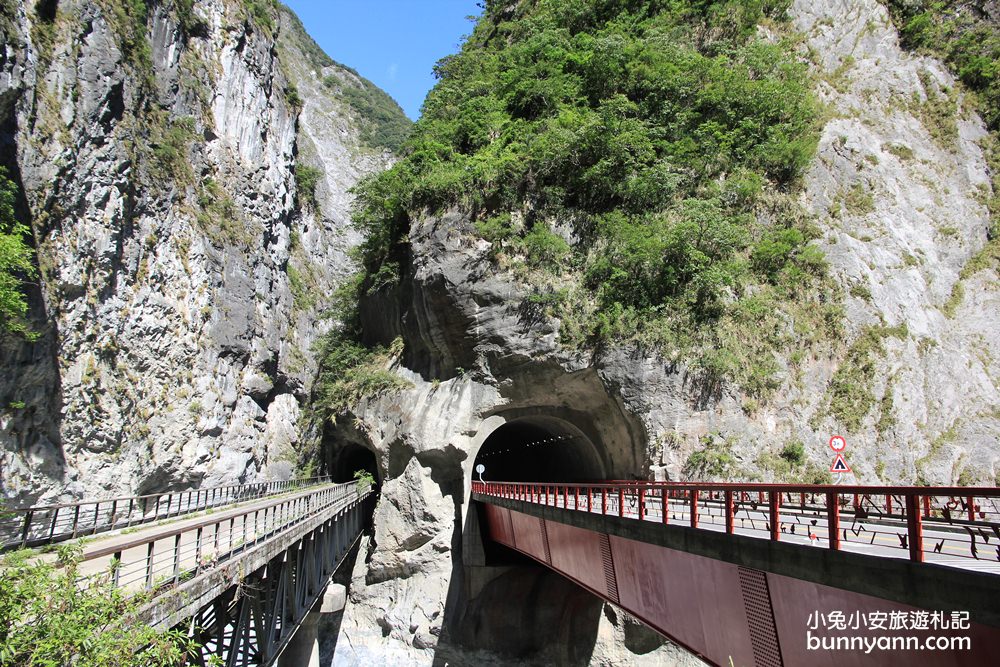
<point>949,525</point>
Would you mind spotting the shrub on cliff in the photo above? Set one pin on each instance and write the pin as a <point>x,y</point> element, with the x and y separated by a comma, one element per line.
<point>658,141</point>
<point>15,261</point>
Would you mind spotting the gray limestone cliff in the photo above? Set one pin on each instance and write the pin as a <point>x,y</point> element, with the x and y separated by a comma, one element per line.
<point>901,207</point>
<point>184,271</point>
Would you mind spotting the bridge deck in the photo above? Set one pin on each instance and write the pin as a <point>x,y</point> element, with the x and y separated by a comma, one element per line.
<point>728,581</point>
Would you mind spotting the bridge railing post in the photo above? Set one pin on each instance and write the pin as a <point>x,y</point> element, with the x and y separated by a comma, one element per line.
<point>621,501</point>
<point>774,515</point>
<point>642,504</point>
<point>604,500</point>
<point>833,519</point>
<point>729,511</point>
<point>665,505</point>
<point>914,527</point>
<point>694,508</point>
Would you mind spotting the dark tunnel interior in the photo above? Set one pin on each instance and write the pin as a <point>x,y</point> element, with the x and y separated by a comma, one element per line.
<point>349,458</point>
<point>539,449</point>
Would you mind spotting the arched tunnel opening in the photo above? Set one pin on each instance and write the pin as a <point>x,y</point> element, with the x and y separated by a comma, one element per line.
<point>344,461</point>
<point>539,449</point>
<point>515,606</point>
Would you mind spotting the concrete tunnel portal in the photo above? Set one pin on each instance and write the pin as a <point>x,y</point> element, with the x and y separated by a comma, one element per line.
<point>539,449</point>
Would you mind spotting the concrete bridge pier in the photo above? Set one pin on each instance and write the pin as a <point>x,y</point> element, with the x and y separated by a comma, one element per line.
<point>303,648</point>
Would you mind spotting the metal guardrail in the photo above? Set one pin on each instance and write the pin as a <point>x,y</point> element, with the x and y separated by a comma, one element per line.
<point>172,555</point>
<point>47,524</point>
<point>960,520</point>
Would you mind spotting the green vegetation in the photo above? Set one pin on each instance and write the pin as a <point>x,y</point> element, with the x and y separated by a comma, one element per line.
<point>937,445</point>
<point>262,12</point>
<point>48,619</point>
<point>15,262</point>
<point>790,465</point>
<point>904,153</point>
<point>713,462</point>
<point>171,143</point>
<point>635,160</point>
<point>292,97</point>
<point>128,19</point>
<point>851,397</point>
<point>364,478</point>
<point>217,215</point>
<point>384,125</point>
<point>858,200</point>
<point>306,180</point>
<point>955,32</point>
<point>350,371</point>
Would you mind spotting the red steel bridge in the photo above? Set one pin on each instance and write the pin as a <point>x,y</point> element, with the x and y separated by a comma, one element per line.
<point>238,567</point>
<point>770,575</point>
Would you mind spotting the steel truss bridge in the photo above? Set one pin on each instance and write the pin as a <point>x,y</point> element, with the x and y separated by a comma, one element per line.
<point>237,568</point>
<point>742,574</point>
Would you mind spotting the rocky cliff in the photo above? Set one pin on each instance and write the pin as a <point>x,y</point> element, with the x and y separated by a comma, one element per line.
<point>898,191</point>
<point>184,167</point>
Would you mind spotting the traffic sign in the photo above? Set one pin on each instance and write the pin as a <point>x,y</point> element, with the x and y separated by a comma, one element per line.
<point>839,464</point>
<point>838,444</point>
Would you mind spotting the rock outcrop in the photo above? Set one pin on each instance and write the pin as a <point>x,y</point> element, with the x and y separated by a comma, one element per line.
<point>900,203</point>
<point>183,274</point>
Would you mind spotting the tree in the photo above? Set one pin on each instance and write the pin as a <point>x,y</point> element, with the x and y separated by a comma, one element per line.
<point>48,618</point>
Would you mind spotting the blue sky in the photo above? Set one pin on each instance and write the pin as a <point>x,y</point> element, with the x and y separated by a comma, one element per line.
<point>393,43</point>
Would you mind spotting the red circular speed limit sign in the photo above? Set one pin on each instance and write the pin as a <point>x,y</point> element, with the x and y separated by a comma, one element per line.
<point>838,444</point>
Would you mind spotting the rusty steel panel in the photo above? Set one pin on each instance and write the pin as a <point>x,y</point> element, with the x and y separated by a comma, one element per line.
<point>795,600</point>
<point>528,534</point>
<point>577,553</point>
<point>693,600</point>
<point>498,525</point>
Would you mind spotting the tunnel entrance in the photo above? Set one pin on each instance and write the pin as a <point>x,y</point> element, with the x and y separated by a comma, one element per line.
<point>347,459</point>
<point>539,449</point>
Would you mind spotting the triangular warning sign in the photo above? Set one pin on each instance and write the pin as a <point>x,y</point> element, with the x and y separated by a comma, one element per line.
<point>839,464</point>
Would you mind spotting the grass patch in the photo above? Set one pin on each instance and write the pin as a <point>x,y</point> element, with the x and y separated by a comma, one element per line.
<point>306,180</point>
<point>850,390</point>
<point>713,462</point>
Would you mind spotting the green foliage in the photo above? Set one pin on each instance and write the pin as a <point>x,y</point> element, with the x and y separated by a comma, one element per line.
<point>171,144</point>
<point>713,462</point>
<point>189,22</point>
<point>790,465</point>
<point>956,32</point>
<point>48,619</point>
<point>15,262</point>
<point>128,19</point>
<point>306,180</point>
<point>851,396</point>
<point>292,97</point>
<point>667,136</point>
<point>384,125</point>
<point>858,200</point>
<point>794,452</point>
<point>262,12</point>
<point>365,479</point>
<point>217,215</point>
<point>351,372</point>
